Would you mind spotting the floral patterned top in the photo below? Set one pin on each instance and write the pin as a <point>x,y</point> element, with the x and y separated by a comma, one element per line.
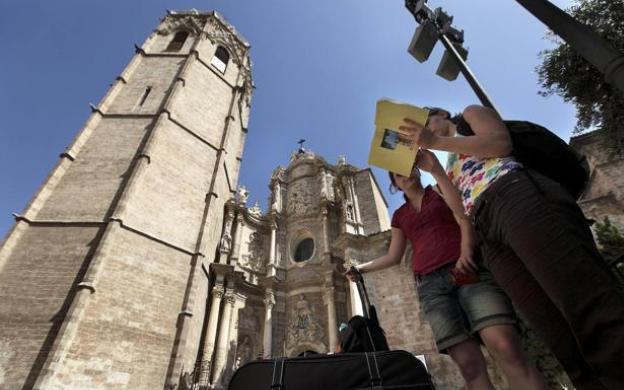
<point>472,175</point>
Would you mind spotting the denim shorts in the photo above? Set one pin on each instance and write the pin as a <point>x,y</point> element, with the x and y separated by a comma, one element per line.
<point>457,313</point>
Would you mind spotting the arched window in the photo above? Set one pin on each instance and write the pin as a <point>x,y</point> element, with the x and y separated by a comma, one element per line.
<point>178,41</point>
<point>220,59</point>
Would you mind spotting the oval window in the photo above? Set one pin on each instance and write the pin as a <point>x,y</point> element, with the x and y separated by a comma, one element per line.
<point>304,250</point>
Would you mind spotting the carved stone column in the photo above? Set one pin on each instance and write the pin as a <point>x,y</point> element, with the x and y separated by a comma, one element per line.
<point>271,271</point>
<point>211,332</point>
<point>237,238</point>
<point>330,299</point>
<point>233,338</point>
<point>269,302</point>
<point>224,336</point>
<point>277,198</point>
<point>325,227</point>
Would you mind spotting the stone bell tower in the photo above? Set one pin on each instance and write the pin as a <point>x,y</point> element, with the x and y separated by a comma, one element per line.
<point>102,278</point>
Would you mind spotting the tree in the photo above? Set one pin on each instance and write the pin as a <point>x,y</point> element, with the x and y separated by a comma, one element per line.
<point>599,105</point>
<point>611,246</point>
<point>610,239</point>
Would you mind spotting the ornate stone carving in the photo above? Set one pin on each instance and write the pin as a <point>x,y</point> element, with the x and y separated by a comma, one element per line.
<point>269,299</point>
<point>218,291</point>
<point>219,33</point>
<point>174,23</point>
<point>303,327</point>
<point>230,298</point>
<point>279,173</point>
<point>301,199</point>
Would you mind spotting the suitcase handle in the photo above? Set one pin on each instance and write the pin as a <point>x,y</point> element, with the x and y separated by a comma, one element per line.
<point>359,282</point>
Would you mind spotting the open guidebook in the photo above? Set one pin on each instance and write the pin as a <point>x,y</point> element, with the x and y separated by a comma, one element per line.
<point>391,148</point>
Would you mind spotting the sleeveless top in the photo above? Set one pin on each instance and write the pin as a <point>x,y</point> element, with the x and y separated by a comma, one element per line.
<point>472,175</point>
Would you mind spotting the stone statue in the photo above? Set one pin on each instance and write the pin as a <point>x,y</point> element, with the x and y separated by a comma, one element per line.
<point>349,213</point>
<point>243,194</point>
<point>226,242</point>
<point>256,210</point>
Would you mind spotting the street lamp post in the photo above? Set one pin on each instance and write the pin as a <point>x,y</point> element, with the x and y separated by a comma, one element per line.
<point>451,38</point>
<point>583,39</point>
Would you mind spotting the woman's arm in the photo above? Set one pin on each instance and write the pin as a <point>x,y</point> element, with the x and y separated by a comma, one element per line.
<point>491,137</point>
<point>427,161</point>
<point>393,257</point>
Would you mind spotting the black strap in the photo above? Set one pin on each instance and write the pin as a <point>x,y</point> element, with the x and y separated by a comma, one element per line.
<point>370,337</point>
<point>375,376</point>
<point>278,381</point>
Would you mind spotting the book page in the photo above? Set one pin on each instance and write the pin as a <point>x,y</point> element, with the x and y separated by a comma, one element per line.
<point>391,148</point>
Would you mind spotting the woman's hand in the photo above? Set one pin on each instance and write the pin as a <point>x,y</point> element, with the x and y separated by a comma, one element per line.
<point>353,274</point>
<point>466,264</point>
<point>428,162</point>
<point>421,136</point>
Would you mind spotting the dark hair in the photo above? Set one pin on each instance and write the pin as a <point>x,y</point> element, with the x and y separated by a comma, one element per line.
<point>447,114</point>
<point>438,110</point>
<point>393,186</point>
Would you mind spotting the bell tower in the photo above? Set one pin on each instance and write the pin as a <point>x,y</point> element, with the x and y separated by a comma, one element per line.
<point>102,278</point>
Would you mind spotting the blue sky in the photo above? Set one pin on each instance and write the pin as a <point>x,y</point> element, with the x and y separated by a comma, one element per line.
<point>319,67</point>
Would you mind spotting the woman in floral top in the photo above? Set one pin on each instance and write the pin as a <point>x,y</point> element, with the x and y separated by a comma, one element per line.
<point>537,244</point>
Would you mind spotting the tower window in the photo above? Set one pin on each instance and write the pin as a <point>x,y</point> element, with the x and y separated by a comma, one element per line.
<point>220,59</point>
<point>178,41</point>
<point>304,250</point>
<point>144,96</point>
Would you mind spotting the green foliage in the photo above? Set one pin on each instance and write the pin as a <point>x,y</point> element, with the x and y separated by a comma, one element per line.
<point>610,239</point>
<point>612,243</point>
<point>543,359</point>
<point>564,72</point>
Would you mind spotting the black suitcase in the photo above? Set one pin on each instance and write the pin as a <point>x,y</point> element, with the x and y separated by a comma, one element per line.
<point>384,370</point>
<point>381,370</point>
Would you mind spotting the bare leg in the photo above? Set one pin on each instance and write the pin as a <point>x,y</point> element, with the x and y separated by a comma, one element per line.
<point>504,344</point>
<point>468,357</point>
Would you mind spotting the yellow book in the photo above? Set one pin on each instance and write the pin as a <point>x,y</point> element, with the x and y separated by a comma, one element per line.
<point>391,148</point>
